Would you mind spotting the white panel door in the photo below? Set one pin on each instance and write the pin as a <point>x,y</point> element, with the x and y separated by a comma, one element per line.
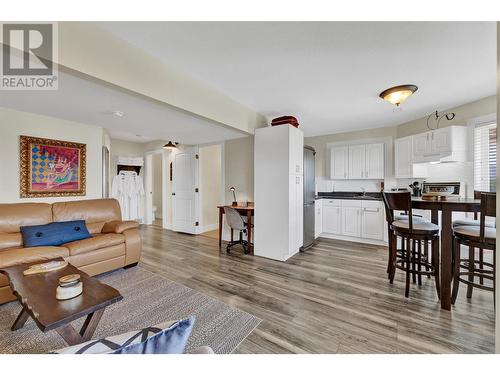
<point>351,221</point>
<point>332,219</point>
<point>374,161</point>
<point>338,163</point>
<point>357,162</point>
<point>441,140</point>
<point>372,223</point>
<point>184,197</point>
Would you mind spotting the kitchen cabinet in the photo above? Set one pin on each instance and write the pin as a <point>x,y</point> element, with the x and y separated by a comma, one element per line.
<point>350,219</point>
<point>318,217</point>
<point>357,165</point>
<point>357,162</point>
<point>374,161</point>
<point>445,144</point>
<point>372,220</point>
<point>278,154</point>
<point>403,160</point>
<point>338,162</point>
<point>332,217</point>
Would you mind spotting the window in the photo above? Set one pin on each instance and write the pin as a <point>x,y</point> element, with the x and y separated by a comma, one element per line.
<point>485,157</point>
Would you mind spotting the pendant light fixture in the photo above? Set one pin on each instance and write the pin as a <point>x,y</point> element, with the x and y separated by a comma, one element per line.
<point>170,145</point>
<point>398,94</point>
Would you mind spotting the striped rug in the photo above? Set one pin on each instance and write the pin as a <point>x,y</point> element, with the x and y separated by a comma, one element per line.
<point>149,299</point>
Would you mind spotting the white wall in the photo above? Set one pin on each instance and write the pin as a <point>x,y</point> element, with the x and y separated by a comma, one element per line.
<point>16,123</point>
<point>157,184</point>
<point>210,185</point>
<point>238,169</point>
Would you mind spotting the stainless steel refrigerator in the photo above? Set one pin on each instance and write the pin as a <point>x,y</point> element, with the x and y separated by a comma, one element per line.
<point>309,196</point>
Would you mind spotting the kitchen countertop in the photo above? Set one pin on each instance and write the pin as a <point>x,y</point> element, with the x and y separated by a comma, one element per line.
<point>371,196</point>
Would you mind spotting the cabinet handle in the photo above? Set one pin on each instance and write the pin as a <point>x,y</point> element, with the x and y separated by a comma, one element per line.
<point>427,136</point>
<point>297,168</point>
<point>432,135</point>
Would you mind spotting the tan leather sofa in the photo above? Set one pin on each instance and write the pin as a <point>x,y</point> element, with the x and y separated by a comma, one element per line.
<point>114,243</point>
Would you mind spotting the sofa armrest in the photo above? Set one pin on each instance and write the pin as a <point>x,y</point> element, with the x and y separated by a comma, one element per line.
<point>118,226</point>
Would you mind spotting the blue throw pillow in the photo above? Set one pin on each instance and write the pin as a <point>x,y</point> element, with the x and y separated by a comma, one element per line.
<point>171,340</point>
<point>54,234</point>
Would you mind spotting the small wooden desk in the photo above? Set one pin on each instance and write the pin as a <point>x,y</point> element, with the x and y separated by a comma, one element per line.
<point>245,211</point>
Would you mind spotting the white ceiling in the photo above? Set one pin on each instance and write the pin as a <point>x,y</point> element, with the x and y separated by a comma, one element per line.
<point>329,74</point>
<point>92,102</point>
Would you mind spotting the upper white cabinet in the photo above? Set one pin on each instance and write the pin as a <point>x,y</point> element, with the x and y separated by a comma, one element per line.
<point>403,160</point>
<point>356,162</point>
<point>338,162</point>
<point>446,144</point>
<point>357,165</point>
<point>374,161</point>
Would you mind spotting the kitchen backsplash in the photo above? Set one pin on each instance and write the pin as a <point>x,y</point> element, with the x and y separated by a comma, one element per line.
<point>324,185</point>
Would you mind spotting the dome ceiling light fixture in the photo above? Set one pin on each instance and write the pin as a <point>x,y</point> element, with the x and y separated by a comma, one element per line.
<point>170,145</point>
<point>398,94</point>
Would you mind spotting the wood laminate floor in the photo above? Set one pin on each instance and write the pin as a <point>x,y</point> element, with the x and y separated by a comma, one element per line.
<point>335,298</point>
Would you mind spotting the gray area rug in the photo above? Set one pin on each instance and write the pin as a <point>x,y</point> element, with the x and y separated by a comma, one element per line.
<point>148,299</point>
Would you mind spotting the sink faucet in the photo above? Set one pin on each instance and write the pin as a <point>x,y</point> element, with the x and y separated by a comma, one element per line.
<point>364,191</point>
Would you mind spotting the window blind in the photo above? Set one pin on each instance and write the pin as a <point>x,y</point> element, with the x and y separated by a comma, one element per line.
<point>485,157</point>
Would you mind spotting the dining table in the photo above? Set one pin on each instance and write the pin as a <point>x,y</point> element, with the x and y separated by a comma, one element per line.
<point>446,205</point>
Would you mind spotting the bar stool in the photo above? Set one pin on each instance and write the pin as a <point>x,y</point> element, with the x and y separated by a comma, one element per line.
<point>413,231</point>
<point>482,237</point>
<point>475,221</point>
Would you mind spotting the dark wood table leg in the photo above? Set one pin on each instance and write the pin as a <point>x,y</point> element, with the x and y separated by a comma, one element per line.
<point>20,320</point>
<point>435,217</point>
<point>249,231</point>
<point>221,210</point>
<point>72,337</point>
<point>446,249</point>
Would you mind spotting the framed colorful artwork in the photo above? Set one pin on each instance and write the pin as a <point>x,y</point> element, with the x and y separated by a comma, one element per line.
<point>51,168</point>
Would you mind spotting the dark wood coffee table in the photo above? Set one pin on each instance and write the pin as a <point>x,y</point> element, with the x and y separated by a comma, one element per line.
<point>37,296</point>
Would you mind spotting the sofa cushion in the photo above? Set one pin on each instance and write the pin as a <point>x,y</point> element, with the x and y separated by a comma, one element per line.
<point>12,257</point>
<point>99,241</point>
<point>95,212</point>
<point>54,234</point>
<point>15,215</point>
<point>165,338</point>
<point>10,240</point>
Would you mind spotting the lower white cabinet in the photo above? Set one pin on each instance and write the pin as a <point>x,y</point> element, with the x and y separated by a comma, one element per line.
<point>353,219</point>
<point>318,217</point>
<point>332,217</point>
<point>372,221</point>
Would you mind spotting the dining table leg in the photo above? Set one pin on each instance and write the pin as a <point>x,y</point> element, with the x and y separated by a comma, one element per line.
<point>446,258</point>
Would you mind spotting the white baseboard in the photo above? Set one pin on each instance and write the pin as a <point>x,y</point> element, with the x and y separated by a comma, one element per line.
<point>353,239</point>
<point>208,228</point>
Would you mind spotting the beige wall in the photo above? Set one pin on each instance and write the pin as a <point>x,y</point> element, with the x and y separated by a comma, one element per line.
<point>157,184</point>
<point>16,123</point>
<point>463,113</point>
<point>210,185</point>
<point>124,148</point>
<point>238,169</point>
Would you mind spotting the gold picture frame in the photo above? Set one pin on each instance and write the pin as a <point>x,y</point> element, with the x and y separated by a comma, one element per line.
<point>51,168</point>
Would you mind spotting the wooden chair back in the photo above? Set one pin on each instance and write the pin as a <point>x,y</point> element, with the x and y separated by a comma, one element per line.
<point>398,201</point>
<point>488,209</point>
